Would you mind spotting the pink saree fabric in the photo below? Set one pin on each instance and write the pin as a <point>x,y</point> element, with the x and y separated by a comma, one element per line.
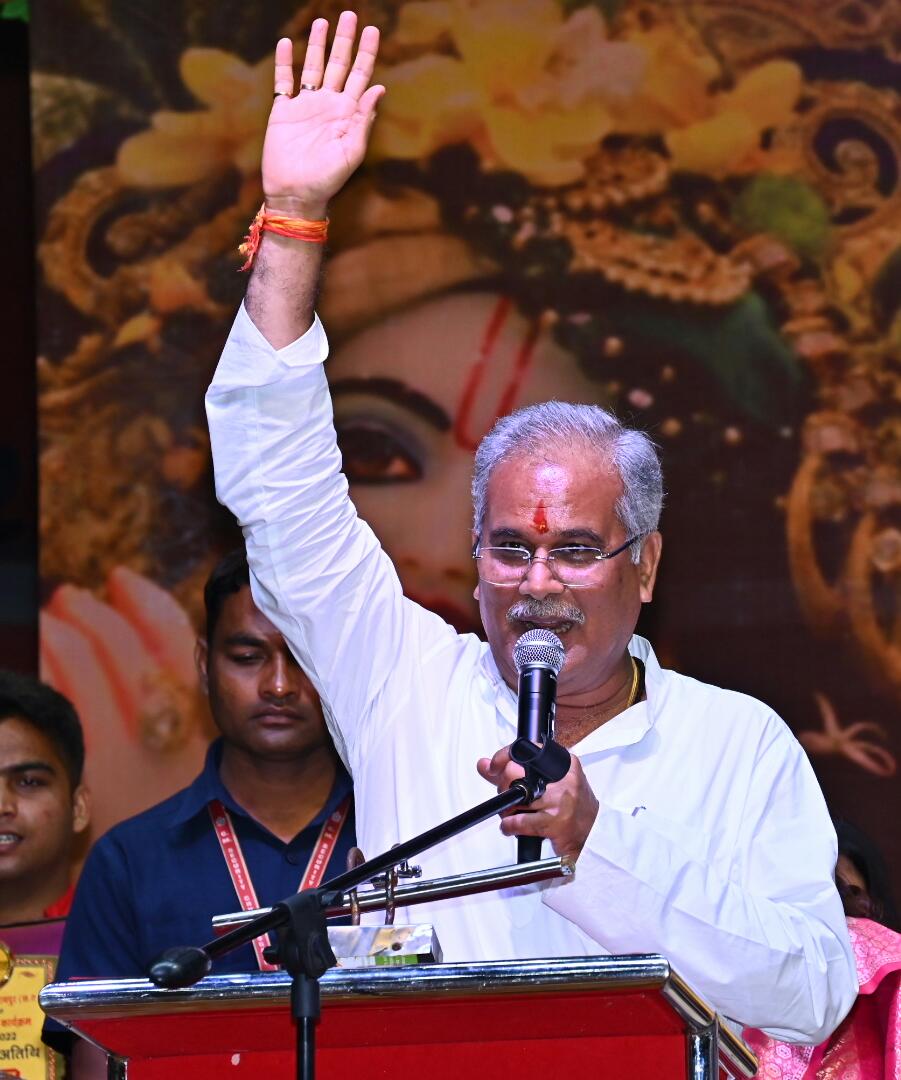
<point>867,1044</point>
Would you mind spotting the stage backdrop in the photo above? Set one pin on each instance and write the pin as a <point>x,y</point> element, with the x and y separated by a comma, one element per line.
<point>690,212</point>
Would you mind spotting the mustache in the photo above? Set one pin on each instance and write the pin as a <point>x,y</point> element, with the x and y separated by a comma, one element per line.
<point>551,607</point>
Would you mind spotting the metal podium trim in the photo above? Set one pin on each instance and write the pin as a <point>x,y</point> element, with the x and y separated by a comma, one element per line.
<point>74,1001</point>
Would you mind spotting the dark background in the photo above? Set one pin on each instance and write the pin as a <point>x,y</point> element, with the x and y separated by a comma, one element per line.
<point>18,407</point>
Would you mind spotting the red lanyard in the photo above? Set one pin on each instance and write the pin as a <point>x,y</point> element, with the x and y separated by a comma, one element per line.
<point>240,875</point>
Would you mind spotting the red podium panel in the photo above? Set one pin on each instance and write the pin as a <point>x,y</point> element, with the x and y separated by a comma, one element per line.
<point>610,1016</point>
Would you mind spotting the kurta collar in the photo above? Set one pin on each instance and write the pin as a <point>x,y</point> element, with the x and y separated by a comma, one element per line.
<point>624,730</point>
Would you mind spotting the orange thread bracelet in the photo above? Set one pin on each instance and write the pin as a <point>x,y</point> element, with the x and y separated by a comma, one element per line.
<point>314,232</point>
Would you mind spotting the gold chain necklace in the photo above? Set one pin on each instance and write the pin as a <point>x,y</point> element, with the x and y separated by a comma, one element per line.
<point>636,682</point>
<point>586,722</point>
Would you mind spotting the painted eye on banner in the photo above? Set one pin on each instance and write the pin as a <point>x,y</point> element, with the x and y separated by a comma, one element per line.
<point>373,454</point>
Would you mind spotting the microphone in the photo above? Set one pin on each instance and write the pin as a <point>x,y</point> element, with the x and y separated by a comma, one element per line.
<point>538,656</point>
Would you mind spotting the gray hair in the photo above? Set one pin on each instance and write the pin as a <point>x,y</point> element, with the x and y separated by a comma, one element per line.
<point>534,429</point>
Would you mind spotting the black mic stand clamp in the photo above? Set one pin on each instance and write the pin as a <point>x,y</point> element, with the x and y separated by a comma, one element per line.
<point>545,763</point>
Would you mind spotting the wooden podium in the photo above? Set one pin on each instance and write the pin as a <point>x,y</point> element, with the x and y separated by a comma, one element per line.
<point>616,1017</point>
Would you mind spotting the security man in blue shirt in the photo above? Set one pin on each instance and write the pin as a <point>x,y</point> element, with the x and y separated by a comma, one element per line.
<point>271,812</point>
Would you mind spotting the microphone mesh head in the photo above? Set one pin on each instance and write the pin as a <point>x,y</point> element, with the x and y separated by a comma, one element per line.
<point>539,647</point>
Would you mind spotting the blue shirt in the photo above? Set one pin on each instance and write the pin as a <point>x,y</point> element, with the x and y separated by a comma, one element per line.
<point>157,879</point>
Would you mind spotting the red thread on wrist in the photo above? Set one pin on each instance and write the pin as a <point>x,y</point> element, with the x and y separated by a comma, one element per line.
<point>313,232</point>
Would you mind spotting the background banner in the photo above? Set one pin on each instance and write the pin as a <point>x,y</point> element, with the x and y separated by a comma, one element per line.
<point>689,212</point>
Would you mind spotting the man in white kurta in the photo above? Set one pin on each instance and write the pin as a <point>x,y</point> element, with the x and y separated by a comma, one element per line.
<point>699,827</point>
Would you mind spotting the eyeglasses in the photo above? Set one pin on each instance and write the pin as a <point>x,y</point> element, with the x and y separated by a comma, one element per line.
<point>576,566</point>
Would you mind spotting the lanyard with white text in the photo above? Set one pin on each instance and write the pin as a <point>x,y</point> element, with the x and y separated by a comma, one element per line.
<point>240,875</point>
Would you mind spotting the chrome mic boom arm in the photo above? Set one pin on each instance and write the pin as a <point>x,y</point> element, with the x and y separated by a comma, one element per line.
<point>423,892</point>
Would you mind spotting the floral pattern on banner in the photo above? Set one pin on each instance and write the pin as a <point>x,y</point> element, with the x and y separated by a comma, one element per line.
<point>690,213</point>
<point>562,85</point>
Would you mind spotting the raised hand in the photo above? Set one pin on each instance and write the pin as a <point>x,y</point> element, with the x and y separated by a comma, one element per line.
<point>317,137</point>
<point>314,141</point>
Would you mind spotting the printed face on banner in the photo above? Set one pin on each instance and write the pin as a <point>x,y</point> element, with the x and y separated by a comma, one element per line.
<point>607,203</point>
<point>413,397</point>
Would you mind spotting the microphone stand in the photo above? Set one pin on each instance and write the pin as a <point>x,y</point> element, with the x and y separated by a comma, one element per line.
<point>300,921</point>
<point>541,757</point>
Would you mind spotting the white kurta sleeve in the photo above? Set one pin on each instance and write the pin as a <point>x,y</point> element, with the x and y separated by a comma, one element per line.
<point>317,571</point>
<point>757,927</point>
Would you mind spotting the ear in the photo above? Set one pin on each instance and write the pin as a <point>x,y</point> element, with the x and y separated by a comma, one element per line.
<point>81,809</point>
<point>651,549</point>
<point>201,662</point>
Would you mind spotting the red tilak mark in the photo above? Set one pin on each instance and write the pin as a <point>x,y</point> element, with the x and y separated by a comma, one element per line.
<point>539,519</point>
<point>462,435</point>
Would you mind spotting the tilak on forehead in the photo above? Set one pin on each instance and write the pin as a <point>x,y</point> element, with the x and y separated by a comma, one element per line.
<point>521,362</point>
<point>539,519</point>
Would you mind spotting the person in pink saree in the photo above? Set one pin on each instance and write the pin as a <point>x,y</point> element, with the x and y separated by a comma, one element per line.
<point>867,1044</point>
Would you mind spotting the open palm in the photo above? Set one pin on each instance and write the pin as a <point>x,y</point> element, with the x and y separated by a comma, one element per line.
<point>317,138</point>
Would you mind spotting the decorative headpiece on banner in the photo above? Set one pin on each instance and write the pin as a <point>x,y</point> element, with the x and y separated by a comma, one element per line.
<point>695,184</point>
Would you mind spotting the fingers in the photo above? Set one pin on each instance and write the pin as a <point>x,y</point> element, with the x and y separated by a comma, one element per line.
<point>501,760</point>
<point>526,824</point>
<point>369,102</point>
<point>564,813</point>
<point>338,75</point>
<point>314,57</point>
<point>284,67</point>
<point>339,62</point>
<point>499,770</point>
<point>362,120</point>
<point>342,51</point>
<point>364,63</point>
